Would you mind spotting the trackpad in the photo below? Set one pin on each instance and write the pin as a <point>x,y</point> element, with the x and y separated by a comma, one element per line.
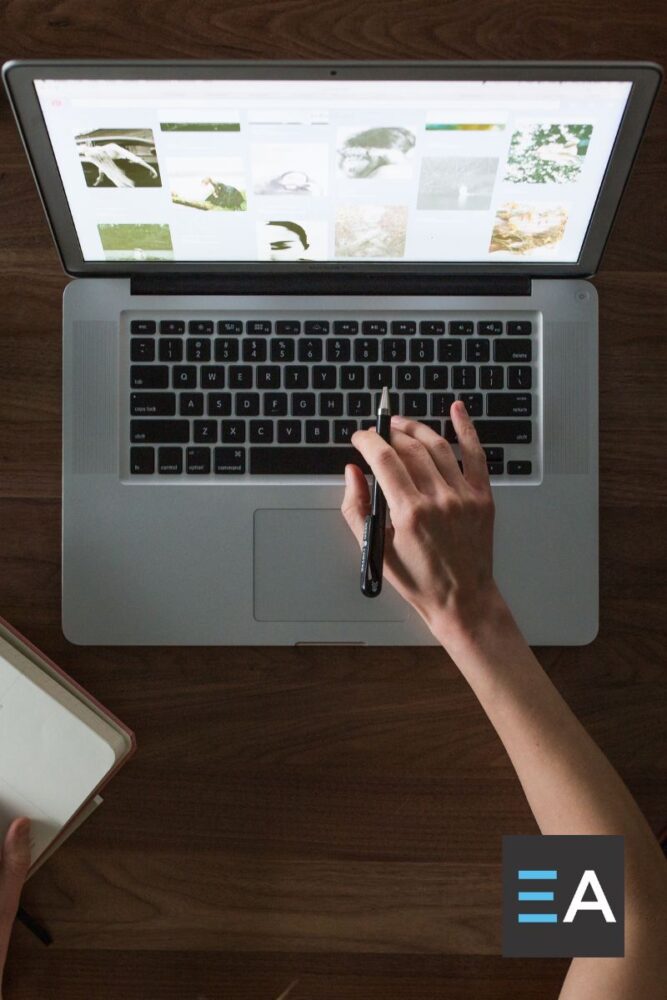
<point>306,569</point>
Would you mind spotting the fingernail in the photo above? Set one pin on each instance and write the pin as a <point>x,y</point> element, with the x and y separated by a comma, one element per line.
<point>347,475</point>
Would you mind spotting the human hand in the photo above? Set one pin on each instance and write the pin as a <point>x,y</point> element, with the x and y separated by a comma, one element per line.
<point>439,544</point>
<point>14,865</point>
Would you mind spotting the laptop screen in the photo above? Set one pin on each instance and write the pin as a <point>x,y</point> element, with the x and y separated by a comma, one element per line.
<point>332,170</point>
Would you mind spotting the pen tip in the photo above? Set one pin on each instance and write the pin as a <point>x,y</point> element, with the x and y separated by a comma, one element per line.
<point>384,399</point>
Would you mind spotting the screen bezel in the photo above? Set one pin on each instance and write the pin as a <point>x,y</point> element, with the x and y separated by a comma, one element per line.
<point>19,75</point>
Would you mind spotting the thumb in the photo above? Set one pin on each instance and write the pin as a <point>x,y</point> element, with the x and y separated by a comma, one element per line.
<point>14,865</point>
<point>356,500</point>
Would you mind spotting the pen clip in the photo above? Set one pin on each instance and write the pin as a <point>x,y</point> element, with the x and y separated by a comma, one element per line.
<point>372,547</point>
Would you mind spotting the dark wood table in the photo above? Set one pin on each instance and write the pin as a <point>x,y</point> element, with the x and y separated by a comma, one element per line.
<point>332,817</point>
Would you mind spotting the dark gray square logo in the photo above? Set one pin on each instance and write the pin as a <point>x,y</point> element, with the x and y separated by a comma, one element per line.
<point>563,896</point>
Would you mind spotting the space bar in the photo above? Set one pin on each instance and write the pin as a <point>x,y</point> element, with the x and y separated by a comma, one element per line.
<point>306,461</point>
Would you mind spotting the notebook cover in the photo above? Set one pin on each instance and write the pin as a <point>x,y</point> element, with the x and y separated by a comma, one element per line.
<point>91,700</point>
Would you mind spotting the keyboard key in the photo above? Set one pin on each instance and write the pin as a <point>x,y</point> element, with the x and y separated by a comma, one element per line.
<point>338,350</point>
<point>142,461</point>
<point>441,403</point>
<point>324,377</point>
<point>422,350</point>
<point>520,328</point>
<point>282,350</point>
<point>172,327</point>
<point>461,328</point>
<point>212,377</point>
<point>519,468</point>
<point>506,404</point>
<point>435,425</point>
<point>497,431</point>
<point>317,431</point>
<point>352,377</point>
<point>219,404</point>
<point>184,376</point>
<point>205,431</point>
<point>143,327</point>
<point>432,327</point>
<point>288,327</point>
<point>403,328</point>
<point>316,327</point>
<point>414,404</point>
<point>258,327</point>
<point>435,377</point>
<point>240,376</point>
<point>310,349</point>
<point>171,349</point>
<point>343,430</point>
<point>366,349</point>
<point>450,350</point>
<point>232,431</point>
<point>512,350</point>
<point>495,468</point>
<point>491,377</point>
<point>268,377</point>
<point>170,461</point>
<point>463,377</point>
<point>331,404</point>
<point>473,403</point>
<point>246,404</point>
<point>374,327</point>
<point>494,454</point>
<point>226,349</point>
<point>191,404</point>
<point>477,350</point>
<point>159,431</point>
<point>394,350</point>
<point>254,350</point>
<point>346,327</point>
<point>197,461</point>
<point>408,377</point>
<point>490,327</point>
<point>302,404</point>
<point>311,461</point>
<point>229,461</point>
<point>296,377</point>
<point>289,431</point>
<point>142,349</point>
<point>519,378</point>
<point>379,376</point>
<point>261,431</point>
<point>152,404</point>
<point>359,404</point>
<point>275,404</point>
<point>230,328</point>
<point>200,328</point>
<point>149,376</point>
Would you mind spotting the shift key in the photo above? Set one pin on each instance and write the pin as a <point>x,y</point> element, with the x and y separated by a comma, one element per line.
<point>159,431</point>
<point>496,431</point>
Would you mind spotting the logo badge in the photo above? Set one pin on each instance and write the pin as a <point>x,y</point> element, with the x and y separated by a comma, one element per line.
<point>563,896</point>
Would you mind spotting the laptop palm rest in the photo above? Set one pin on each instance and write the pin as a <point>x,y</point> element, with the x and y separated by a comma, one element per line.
<point>306,568</point>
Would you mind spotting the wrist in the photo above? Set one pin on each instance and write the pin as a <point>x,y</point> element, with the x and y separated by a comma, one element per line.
<point>474,625</point>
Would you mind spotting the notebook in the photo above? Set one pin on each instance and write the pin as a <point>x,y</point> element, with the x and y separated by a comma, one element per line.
<point>58,746</point>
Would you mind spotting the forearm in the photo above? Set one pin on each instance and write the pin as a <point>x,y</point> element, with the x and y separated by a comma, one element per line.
<point>570,785</point>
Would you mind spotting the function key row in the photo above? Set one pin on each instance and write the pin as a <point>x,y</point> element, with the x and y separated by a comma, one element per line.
<point>320,327</point>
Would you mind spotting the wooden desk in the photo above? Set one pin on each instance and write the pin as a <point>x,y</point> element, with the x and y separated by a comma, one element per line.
<point>332,817</point>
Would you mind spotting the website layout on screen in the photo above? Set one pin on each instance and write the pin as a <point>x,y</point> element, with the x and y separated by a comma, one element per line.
<point>332,170</point>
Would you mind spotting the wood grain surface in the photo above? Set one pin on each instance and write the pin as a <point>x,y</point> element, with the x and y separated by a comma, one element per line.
<point>327,819</point>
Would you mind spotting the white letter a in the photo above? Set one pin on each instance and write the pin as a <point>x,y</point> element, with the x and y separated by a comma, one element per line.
<point>589,878</point>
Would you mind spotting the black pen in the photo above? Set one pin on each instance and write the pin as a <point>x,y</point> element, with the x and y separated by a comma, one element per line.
<point>372,547</point>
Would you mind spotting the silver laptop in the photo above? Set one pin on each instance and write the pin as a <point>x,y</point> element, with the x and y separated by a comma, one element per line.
<point>257,249</point>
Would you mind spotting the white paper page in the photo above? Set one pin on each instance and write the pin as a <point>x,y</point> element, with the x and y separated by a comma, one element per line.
<point>50,761</point>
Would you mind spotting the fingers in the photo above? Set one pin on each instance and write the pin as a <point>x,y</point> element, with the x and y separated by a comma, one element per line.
<point>417,459</point>
<point>356,500</point>
<point>14,865</point>
<point>472,453</point>
<point>389,470</point>
<point>440,451</point>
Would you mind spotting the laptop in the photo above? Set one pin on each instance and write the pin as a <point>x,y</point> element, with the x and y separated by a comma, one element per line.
<point>256,250</point>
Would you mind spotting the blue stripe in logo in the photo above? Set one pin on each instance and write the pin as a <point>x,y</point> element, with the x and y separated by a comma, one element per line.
<point>534,897</point>
<point>525,874</point>
<point>538,918</point>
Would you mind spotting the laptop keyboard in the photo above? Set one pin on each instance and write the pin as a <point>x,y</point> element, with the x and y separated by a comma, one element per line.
<point>216,398</point>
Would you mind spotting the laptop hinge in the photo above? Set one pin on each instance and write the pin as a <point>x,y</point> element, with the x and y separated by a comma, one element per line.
<point>328,284</point>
